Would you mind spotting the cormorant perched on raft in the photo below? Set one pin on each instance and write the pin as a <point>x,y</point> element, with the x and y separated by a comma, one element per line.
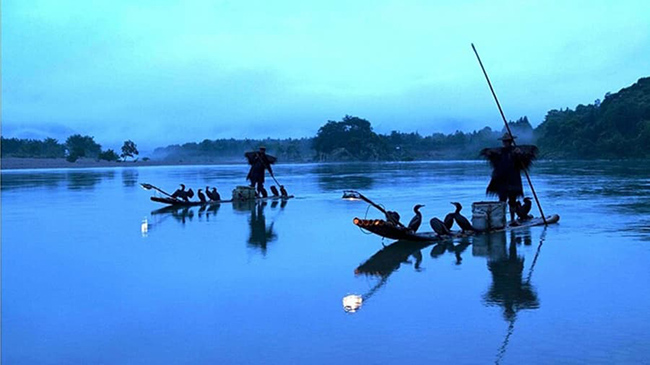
<point>414,224</point>
<point>274,191</point>
<point>180,193</point>
<point>439,227</point>
<point>393,217</point>
<point>522,210</point>
<point>284,194</point>
<point>462,222</point>
<point>209,194</point>
<point>201,196</point>
<point>262,191</point>
<point>449,220</point>
<point>215,195</point>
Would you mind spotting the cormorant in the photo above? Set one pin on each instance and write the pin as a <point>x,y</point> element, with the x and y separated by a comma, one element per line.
<point>283,191</point>
<point>393,217</point>
<point>439,227</point>
<point>215,195</point>
<point>449,220</point>
<point>190,194</point>
<point>208,194</point>
<point>201,196</point>
<point>274,191</point>
<point>180,193</point>
<point>414,224</point>
<point>263,192</point>
<point>462,222</point>
<point>522,210</point>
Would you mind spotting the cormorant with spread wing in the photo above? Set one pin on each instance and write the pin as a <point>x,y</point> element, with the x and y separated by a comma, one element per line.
<point>180,193</point>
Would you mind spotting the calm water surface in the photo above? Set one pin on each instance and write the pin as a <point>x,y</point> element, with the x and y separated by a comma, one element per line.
<point>253,284</point>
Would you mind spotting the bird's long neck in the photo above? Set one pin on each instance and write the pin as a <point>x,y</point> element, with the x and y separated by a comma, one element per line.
<point>458,208</point>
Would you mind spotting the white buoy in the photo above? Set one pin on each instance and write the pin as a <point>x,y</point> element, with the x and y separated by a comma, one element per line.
<point>144,228</point>
<point>352,303</point>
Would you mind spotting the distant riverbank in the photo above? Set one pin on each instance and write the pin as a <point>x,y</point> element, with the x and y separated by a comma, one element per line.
<point>16,163</point>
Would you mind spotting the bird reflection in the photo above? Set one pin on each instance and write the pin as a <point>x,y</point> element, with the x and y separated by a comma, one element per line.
<point>382,264</point>
<point>448,246</point>
<point>186,214</point>
<point>390,258</point>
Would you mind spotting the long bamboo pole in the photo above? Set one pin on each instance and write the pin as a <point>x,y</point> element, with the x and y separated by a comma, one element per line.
<point>530,183</point>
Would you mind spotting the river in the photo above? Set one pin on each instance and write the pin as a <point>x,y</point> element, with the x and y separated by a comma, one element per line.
<point>264,283</point>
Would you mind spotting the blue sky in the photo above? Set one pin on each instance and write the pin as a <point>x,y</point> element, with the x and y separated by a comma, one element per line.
<point>161,72</point>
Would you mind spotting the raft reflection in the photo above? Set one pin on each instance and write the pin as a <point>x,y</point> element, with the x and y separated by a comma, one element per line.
<point>508,289</point>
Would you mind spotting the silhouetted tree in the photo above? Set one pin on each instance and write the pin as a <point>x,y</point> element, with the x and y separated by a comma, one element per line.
<point>352,138</point>
<point>81,146</point>
<point>129,149</point>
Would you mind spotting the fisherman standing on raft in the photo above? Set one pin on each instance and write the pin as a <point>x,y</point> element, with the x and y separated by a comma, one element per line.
<point>507,163</point>
<point>259,162</point>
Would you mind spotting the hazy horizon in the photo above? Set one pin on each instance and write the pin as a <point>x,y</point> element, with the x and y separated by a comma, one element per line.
<point>170,72</point>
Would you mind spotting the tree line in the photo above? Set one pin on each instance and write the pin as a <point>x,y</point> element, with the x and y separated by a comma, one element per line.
<point>617,127</point>
<point>75,147</point>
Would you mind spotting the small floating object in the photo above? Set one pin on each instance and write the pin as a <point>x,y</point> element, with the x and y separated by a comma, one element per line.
<point>352,303</point>
<point>144,227</point>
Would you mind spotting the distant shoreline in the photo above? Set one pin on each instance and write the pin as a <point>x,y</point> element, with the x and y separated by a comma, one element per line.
<point>18,163</point>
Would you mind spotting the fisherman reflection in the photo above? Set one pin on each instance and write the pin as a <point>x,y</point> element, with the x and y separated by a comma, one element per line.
<point>261,234</point>
<point>508,289</point>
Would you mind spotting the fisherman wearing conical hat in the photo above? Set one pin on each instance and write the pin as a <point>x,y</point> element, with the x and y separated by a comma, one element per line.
<point>507,163</point>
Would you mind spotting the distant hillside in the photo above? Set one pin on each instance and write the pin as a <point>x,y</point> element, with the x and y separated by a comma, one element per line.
<point>617,127</point>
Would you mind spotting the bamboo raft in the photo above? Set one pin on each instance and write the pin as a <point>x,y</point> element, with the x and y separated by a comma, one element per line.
<point>386,229</point>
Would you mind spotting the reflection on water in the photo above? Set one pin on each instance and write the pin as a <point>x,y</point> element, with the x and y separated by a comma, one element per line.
<point>29,180</point>
<point>334,177</point>
<point>260,233</point>
<point>98,289</point>
<point>129,177</point>
<point>508,290</point>
<point>78,180</point>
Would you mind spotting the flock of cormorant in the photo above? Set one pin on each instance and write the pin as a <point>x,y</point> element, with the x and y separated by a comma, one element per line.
<point>443,228</point>
<point>186,195</point>
<point>214,196</point>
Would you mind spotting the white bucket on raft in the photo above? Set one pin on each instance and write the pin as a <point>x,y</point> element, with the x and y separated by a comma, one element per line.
<point>487,216</point>
<point>243,193</point>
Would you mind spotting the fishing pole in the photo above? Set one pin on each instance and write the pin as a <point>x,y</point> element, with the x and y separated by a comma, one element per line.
<point>530,183</point>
